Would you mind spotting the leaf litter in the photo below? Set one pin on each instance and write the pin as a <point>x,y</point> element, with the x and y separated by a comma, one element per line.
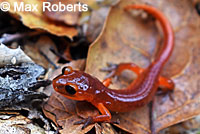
<point>129,39</point>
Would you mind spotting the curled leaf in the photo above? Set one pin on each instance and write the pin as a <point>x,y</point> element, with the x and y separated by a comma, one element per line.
<point>36,19</point>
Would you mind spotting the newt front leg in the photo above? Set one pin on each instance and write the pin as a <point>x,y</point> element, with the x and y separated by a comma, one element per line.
<point>105,117</point>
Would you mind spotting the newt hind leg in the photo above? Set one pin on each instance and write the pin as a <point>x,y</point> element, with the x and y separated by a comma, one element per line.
<point>166,84</point>
<point>116,70</point>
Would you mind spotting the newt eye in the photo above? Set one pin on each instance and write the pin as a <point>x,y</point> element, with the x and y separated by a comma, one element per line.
<point>70,90</point>
<point>66,70</point>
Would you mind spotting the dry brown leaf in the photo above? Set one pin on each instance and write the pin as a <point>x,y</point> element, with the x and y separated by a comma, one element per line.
<point>96,23</point>
<point>95,15</point>
<point>105,128</point>
<point>18,125</point>
<point>69,18</point>
<point>129,39</point>
<point>190,127</point>
<point>38,20</point>
<point>185,65</point>
<point>43,46</point>
<point>63,112</point>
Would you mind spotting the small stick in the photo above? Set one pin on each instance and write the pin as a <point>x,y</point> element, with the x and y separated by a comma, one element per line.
<point>49,60</point>
<point>6,38</point>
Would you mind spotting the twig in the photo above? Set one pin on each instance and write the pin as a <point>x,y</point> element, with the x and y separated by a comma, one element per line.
<point>60,55</point>
<point>6,38</point>
<point>47,58</point>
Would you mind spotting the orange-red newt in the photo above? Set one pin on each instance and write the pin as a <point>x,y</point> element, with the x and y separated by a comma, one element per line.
<point>81,86</point>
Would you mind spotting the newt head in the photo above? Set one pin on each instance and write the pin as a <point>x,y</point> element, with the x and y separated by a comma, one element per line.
<point>73,84</point>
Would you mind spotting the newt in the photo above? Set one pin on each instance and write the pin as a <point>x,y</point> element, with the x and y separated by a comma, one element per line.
<point>78,85</point>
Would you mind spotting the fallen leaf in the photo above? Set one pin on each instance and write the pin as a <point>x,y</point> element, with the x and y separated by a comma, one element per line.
<point>130,39</point>
<point>65,114</point>
<point>190,126</point>
<point>105,128</point>
<point>37,50</point>
<point>98,16</point>
<point>36,19</point>
<point>96,23</point>
<point>69,18</point>
<point>18,125</point>
<point>185,62</point>
<point>74,18</point>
